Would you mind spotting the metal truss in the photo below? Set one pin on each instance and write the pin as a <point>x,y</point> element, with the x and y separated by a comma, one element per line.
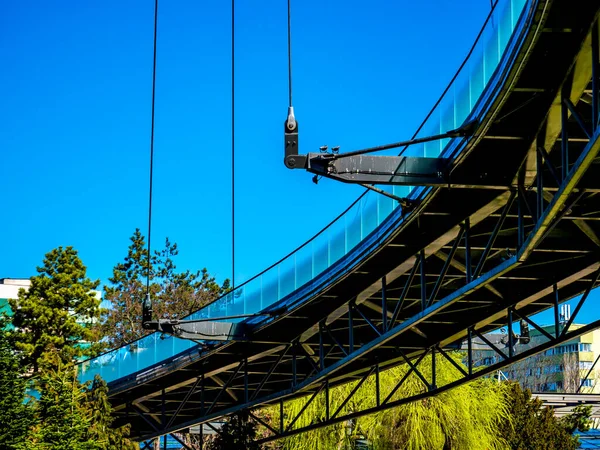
<point>430,385</point>
<point>463,263</point>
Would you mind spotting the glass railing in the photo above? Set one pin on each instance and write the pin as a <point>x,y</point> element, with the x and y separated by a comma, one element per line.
<point>460,100</point>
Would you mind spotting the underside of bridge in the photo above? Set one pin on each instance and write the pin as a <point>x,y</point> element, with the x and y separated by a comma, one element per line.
<point>523,237</point>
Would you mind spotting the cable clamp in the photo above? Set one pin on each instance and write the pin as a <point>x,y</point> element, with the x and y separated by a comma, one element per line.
<point>291,119</point>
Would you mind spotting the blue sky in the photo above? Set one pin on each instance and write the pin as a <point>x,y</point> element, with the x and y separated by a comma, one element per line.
<point>75,119</point>
<point>75,89</point>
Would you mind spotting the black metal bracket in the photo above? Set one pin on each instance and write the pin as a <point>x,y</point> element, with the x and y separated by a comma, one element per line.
<point>212,329</point>
<point>360,168</point>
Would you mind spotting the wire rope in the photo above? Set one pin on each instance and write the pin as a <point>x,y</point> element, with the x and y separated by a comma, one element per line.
<point>232,143</point>
<point>151,152</point>
<point>289,50</point>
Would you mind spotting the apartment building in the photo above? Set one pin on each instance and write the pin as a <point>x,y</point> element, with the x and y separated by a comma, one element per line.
<point>568,367</point>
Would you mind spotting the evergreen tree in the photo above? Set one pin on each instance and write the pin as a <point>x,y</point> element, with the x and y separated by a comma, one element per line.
<point>58,312</point>
<point>100,410</point>
<point>532,426</point>
<point>238,433</point>
<point>62,419</point>
<point>578,420</point>
<point>16,415</point>
<point>174,294</point>
<point>70,415</point>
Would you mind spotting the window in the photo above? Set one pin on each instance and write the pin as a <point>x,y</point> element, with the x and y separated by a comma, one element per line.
<point>570,348</point>
<point>588,382</point>
<point>553,368</point>
<point>544,387</point>
<point>585,365</point>
<point>488,361</point>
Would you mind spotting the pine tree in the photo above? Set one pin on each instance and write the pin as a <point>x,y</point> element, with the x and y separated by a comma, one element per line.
<point>61,416</point>
<point>58,313</point>
<point>16,415</point>
<point>578,420</point>
<point>174,294</point>
<point>74,416</point>
<point>533,426</point>
<point>100,410</point>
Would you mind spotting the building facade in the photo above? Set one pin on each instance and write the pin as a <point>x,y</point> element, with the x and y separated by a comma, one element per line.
<point>569,367</point>
<point>9,288</point>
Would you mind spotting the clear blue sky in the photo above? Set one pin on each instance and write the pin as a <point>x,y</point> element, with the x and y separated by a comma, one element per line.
<point>75,119</point>
<point>75,86</point>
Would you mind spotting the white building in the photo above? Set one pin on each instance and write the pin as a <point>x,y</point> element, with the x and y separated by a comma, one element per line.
<point>9,288</point>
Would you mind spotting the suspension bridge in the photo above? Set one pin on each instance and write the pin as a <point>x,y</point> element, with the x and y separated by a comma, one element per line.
<point>488,224</point>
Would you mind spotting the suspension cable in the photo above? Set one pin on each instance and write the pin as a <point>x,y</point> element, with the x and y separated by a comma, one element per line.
<point>289,42</point>
<point>232,143</point>
<point>151,152</point>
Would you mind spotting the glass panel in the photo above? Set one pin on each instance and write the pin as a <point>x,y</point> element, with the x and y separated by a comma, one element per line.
<point>433,148</point>
<point>270,286</point>
<point>401,191</point>
<point>287,276</point>
<point>236,302</point>
<point>369,213</point>
<point>462,99</point>
<point>252,296</point>
<point>447,106</point>
<point>353,228</point>
<point>476,79</point>
<point>321,253</point>
<point>490,52</point>
<point>304,269</point>
<point>385,206</point>
<point>337,241</point>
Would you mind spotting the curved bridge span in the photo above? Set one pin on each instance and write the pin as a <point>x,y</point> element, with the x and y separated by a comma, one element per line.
<point>384,285</point>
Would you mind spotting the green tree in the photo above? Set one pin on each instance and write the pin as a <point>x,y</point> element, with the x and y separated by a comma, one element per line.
<point>58,313</point>
<point>578,420</point>
<point>532,426</point>
<point>16,415</point>
<point>74,416</point>
<point>61,416</point>
<point>467,416</point>
<point>174,294</point>
<point>98,407</point>
<point>238,433</point>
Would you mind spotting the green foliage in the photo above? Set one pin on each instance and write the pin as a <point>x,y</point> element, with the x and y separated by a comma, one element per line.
<point>532,426</point>
<point>238,433</point>
<point>70,415</point>
<point>51,321</point>
<point>174,294</point>
<point>100,411</point>
<point>61,416</point>
<point>57,312</point>
<point>578,420</point>
<point>467,416</point>
<point>16,416</point>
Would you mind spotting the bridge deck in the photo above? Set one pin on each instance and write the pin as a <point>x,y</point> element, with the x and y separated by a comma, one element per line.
<point>518,240</point>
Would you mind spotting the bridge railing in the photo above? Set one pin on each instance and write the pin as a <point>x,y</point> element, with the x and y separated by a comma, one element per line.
<point>461,99</point>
